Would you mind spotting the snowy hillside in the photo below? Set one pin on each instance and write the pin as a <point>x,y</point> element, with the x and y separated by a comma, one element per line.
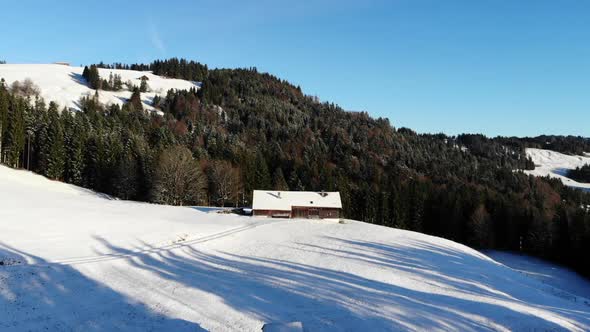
<point>73,260</point>
<point>556,165</point>
<point>65,85</point>
<point>561,279</point>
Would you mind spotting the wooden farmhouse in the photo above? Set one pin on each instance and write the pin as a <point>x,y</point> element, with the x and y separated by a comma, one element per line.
<point>296,204</point>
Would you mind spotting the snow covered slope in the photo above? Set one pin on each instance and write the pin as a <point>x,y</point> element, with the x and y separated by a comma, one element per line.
<point>76,261</point>
<point>65,85</point>
<point>555,164</point>
<point>560,279</point>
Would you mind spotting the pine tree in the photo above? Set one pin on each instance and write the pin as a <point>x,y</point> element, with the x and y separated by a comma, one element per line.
<point>127,180</point>
<point>278,180</point>
<point>86,74</point>
<point>14,141</point>
<point>143,87</point>
<point>4,101</point>
<point>295,182</point>
<point>74,144</point>
<point>135,100</point>
<point>41,143</point>
<point>56,155</point>
<point>262,175</point>
<point>117,82</point>
<point>92,76</point>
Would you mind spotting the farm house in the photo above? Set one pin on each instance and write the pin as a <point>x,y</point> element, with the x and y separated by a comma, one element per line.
<point>296,204</point>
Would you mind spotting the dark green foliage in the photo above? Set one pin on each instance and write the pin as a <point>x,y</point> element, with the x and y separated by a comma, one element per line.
<point>14,136</point>
<point>56,153</point>
<point>135,100</point>
<point>92,77</point>
<point>4,106</point>
<point>143,87</point>
<point>261,174</point>
<point>173,68</point>
<point>278,180</point>
<point>74,151</point>
<point>580,174</point>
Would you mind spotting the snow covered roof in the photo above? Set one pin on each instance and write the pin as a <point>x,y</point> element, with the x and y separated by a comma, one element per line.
<point>284,200</point>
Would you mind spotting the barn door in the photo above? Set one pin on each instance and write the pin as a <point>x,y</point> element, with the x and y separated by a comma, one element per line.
<point>314,214</point>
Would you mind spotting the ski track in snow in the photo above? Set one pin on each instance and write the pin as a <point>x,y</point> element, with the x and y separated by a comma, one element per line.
<point>83,262</point>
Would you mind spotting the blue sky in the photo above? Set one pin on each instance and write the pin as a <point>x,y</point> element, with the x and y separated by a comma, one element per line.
<point>498,67</point>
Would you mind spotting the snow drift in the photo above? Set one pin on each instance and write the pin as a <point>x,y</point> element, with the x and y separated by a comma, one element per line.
<point>65,84</point>
<point>76,260</point>
<point>556,165</point>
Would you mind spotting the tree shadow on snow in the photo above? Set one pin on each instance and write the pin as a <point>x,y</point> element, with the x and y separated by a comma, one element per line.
<point>37,295</point>
<point>78,78</point>
<point>275,290</point>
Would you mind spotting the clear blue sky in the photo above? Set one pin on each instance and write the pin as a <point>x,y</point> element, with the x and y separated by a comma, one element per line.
<point>498,67</point>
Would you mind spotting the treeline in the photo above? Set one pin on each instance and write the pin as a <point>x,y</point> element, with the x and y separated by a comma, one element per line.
<point>172,68</point>
<point>245,130</point>
<point>114,83</point>
<point>574,145</point>
<point>580,174</point>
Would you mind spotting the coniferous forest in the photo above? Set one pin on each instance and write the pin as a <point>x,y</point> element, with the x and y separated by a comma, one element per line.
<point>245,130</point>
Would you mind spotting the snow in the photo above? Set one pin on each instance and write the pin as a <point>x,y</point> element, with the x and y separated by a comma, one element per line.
<point>65,84</point>
<point>284,200</point>
<point>77,261</point>
<point>556,165</point>
<point>283,327</point>
<point>560,280</point>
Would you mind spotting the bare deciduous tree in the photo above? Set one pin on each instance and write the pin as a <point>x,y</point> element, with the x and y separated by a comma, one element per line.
<point>224,182</point>
<point>26,88</point>
<point>178,178</point>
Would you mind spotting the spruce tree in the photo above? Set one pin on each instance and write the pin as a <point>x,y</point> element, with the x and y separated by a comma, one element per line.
<point>278,180</point>
<point>4,101</point>
<point>56,158</point>
<point>127,179</point>
<point>262,178</point>
<point>14,141</point>
<point>74,144</point>
<point>135,100</point>
<point>92,76</point>
<point>143,87</point>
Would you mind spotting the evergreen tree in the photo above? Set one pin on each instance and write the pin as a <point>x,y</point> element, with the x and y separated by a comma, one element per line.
<point>278,180</point>
<point>92,76</point>
<point>262,178</point>
<point>56,154</point>
<point>127,179</point>
<point>74,145</point>
<point>4,102</point>
<point>143,87</point>
<point>14,140</point>
<point>135,100</point>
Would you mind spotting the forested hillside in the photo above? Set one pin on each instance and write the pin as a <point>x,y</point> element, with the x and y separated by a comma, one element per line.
<point>245,130</point>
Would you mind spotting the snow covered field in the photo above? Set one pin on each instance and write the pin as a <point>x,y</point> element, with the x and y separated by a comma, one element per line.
<point>556,165</point>
<point>65,85</point>
<point>558,279</point>
<point>77,261</point>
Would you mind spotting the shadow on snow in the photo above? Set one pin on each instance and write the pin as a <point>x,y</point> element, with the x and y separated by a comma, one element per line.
<point>39,295</point>
<point>275,290</point>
